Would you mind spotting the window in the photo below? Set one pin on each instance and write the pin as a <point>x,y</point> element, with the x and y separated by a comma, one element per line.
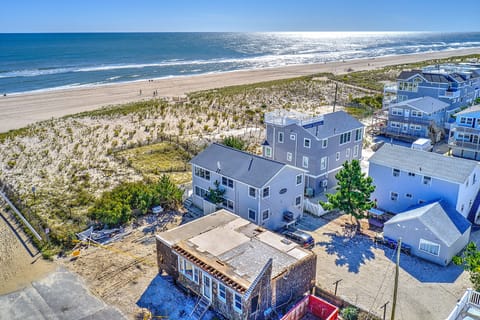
<point>265,214</point>
<point>474,178</point>
<point>462,208</point>
<point>397,112</point>
<point>305,162</point>
<point>292,137</point>
<point>200,192</point>
<point>202,173</point>
<point>358,134</point>
<point>227,182</point>
<point>237,302</point>
<point>347,153</point>
<point>227,204</point>
<point>429,247</point>
<point>396,172</point>
<point>280,137</point>
<point>418,128</point>
<point>266,192</point>
<point>324,143</point>
<point>421,201</point>
<point>196,275</point>
<point>337,156</point>
<point>252,214</point>
<point>323,163</point>
<point>289,156</point>
<point>345,137</point>
<point>306,143</point>
<point>394,124</point>
<point>188,271</point>
<point>298,200</point>
<point>393,196</point>
<point>427,180</point>
<point>411,174</point>
<point>222,292</point>
<point>299,179</point>
<point>268,152</point>
<point>355,151</point>
<point>468,121</point>
<point>408,195</point>
<point>408,86</point>
<point>417,114</point>
<point>252,192</point>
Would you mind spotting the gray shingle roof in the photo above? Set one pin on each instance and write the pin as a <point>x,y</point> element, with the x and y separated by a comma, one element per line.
<point>335,123</point>
<point>474,108</point>
<point>242,166</point>
<point>427,104</point>
<point>424,163</point>
<point>406,74</point>
<point>444,222</point>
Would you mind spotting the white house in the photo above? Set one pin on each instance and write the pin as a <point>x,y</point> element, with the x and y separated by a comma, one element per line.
<point>405,177</point>
<point>266,192</point>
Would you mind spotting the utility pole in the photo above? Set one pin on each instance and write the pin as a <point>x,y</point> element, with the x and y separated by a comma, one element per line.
<point>395,288</point>
<point>384,307</point>
<point>336,285</point>
<point>335,101</point>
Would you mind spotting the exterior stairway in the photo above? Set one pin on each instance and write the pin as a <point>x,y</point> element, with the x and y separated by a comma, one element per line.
<point>200,308</point>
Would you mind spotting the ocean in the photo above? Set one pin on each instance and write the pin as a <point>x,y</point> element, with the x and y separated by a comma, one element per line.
<point>32,62</point>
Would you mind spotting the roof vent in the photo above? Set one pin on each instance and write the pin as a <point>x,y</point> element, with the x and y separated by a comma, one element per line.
<point>250,164</point>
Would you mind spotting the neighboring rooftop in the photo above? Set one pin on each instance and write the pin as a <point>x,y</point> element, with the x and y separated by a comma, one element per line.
<point>427,104</point>
<point>242,166</point>
<point>424,163</point>
<point>443,221</point>
<point>233,247</point>
<point>321,126</point>
<point>474,108</point>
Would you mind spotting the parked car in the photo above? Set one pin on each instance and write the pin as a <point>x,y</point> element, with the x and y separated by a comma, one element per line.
<point>300,237</point>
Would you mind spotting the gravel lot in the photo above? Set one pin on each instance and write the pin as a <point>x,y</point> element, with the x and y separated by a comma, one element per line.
<point>366,270</point>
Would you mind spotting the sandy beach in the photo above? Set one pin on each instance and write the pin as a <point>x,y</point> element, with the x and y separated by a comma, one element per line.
<point>19,110</point>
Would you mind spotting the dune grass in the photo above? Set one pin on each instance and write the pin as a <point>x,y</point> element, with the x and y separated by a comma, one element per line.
<point>154,160</point>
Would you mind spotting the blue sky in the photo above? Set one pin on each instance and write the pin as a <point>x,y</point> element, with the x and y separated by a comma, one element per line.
<point>245,15</point>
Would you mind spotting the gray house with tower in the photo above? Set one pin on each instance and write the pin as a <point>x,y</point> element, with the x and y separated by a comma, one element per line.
<point>318,144</point>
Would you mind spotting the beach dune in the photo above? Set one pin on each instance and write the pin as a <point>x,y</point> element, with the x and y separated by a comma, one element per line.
<point>20,110</point>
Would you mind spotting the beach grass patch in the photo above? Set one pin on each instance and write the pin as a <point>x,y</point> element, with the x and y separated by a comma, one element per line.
<point>161,158</point>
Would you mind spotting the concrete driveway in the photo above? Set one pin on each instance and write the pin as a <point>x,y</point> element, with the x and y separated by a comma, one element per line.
<point>60,295</point>
<point>366,271</point>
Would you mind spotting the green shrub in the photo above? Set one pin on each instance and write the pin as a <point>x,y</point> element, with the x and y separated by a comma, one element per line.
<point>350,313</point>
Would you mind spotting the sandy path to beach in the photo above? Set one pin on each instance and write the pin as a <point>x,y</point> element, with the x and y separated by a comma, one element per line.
<point>19,110</point>
<point>17,268</point>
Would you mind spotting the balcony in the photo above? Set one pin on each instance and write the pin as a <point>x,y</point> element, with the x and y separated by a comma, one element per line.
<point>410,120</point>
<point>284,118</point>
<point>450,94</point>
<point>467,308</point>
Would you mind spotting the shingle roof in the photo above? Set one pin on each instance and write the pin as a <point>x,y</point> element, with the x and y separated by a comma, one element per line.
<point>335,123</point>
<point>406,74</point>
<point>444,222</point>
<point>437,77</point>
<point>242,166</point>
<point>474,108</point>
<point>427,104</point>
<point>425,163</point>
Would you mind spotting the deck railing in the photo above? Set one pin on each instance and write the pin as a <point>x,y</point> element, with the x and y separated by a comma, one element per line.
<point>469,298</point>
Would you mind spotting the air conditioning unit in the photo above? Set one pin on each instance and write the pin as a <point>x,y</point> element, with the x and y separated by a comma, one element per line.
<point>325,183</point>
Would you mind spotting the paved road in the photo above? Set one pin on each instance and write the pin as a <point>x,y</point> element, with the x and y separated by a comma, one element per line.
<point>60,295</point>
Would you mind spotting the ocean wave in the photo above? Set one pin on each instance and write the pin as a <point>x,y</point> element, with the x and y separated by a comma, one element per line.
<point>295,54</point>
